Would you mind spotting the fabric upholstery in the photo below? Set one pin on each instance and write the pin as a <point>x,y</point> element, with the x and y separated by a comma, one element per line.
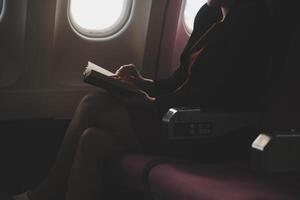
<point>128,170</point>
<point>188,181</point>
<point>217,182</point>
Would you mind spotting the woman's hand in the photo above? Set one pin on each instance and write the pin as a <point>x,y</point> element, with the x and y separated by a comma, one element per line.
<point>130,75</point>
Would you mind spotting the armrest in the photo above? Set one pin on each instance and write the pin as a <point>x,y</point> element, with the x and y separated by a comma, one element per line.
<point>193,123</point>
<point>277,152</point>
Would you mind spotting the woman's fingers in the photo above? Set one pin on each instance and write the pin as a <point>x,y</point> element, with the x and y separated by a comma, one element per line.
<point>117,77</point>
<point>130,75</point>
<point>127,80</point>
<point>127,71</point>
<point>140,99</point>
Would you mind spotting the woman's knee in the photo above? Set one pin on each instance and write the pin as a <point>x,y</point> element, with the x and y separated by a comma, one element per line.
<point>95,99</point>
<point>97,144</point>
<point>94,104</point>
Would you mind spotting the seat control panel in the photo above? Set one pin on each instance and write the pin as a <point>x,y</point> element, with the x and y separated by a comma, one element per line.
<point>190,123</point>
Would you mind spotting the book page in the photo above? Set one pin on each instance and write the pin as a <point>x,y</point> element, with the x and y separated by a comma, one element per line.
<point>92,66</point>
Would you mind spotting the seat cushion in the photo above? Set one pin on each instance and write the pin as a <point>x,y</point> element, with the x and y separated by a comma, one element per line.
<point>129,170</point>
<point>217,182</point>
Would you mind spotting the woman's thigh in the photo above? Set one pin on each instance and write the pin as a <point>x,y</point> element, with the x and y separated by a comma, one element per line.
<point>106,112</point>
<point>135,126</point>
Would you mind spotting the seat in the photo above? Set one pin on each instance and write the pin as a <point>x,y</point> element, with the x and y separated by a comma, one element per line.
<point>234,181</point>
<point>129,170</point>
<point>171,179</point>
<point>238,181</point>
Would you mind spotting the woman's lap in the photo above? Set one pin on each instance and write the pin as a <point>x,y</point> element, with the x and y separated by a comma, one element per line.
<point>144,119</point>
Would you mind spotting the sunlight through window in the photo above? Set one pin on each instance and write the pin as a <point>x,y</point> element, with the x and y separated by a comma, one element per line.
<point>191,9</point>
<point>99,17</point>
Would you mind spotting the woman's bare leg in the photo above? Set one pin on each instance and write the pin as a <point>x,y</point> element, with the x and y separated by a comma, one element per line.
<point>86,177</point>
<point>99,110</point>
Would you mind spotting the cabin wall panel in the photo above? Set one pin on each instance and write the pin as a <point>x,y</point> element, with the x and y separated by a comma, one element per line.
<point>39,45</point>
<point>42,58</point>
<point>12,39</point>
<point>175,37</point>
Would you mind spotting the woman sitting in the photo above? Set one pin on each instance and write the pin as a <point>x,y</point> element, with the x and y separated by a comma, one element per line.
<point>223,66</point>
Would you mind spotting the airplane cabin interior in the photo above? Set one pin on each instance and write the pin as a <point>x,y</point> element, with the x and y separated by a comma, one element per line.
<point>213,153</point>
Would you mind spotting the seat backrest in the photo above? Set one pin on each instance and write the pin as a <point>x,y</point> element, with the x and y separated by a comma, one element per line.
<point>285,111</point>
<point>284,95</point>
<point>284,19</point>
<point>284,10</point>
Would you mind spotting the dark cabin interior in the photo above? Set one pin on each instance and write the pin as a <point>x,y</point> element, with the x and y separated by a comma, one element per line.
<point>28,146</point>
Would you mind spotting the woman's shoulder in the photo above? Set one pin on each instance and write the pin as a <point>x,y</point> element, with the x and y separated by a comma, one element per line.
<point>206,16</point>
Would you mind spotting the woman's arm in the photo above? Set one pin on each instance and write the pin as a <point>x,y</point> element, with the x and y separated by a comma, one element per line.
<point>130,75</point>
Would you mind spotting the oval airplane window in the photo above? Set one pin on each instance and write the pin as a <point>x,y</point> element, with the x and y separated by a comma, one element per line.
<point>99,18</point>
<point>190,11</point>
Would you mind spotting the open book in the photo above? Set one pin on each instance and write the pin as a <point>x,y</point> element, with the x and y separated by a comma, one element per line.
<point>100,77</point>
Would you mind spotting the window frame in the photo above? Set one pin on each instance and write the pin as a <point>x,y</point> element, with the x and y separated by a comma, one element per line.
<point>2,9</point>
<point>106,33</point>
<point>186,27</point>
